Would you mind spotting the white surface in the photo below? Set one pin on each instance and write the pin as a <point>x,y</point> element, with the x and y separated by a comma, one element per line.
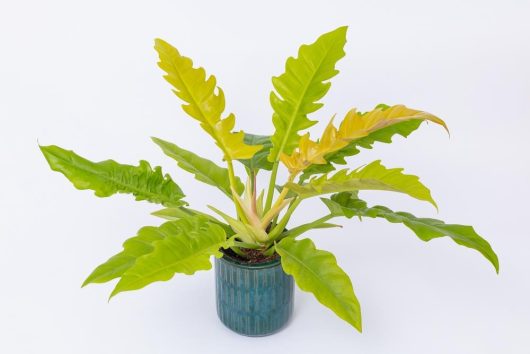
<point>84,76</point>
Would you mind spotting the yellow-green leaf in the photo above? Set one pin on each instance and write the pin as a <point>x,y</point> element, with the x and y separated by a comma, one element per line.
<point>133,248</point>
<point>203,169</point>
<point>373,176</point>
<point>203,101</point>
<point>108,177</point>
<point>362,130</point>
<point>348,205</point>
<point>317,272</point>
<point>186,247</point>
<point>299,89</point>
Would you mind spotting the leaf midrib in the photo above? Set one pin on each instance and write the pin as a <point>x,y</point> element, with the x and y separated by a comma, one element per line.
<point>320,279</point>
<point>166,267</point>
<point>106,178</point>
<point>214,135</point>
<point>299,103</point>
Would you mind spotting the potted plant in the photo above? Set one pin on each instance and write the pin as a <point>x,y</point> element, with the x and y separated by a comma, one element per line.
<point>257,253</point>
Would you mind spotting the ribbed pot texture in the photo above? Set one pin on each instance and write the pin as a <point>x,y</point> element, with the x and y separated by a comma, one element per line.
<point>253,299</point>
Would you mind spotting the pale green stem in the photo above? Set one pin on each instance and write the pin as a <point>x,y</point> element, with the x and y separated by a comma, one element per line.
<point>270,251</point>
<point>272,185</point>
<point>278,203</point>
<point>278,229</point>
<point>232,181</point>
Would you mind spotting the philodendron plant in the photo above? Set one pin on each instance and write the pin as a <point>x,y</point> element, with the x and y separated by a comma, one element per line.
<point>260,222</point>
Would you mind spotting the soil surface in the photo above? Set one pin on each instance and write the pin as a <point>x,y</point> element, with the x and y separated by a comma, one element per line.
<point>252,256</point>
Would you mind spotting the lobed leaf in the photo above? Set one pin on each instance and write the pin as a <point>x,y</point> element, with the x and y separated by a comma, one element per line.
<point>203,101</point>
<point>348,205</point>
<point>317,272</point>
<point>108,177</point>
<point>362,130</point>
<point>373,176</point>
<point>203,169</point>
<point>133,248</point>
<point>301,86</point>
<point>185,247</point>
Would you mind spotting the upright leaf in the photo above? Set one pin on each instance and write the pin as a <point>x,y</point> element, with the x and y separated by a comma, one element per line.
<point>299,89</point>
<point>204,170</point>
<point>348,205</point>
<point>108,177</point>
<point>317,272</point>
<point>186,248</point>
<point>203,101</point>
<point>373,176</point>
<point>259,161</point>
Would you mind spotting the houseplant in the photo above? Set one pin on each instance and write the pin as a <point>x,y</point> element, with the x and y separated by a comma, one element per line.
<point>256,242</point>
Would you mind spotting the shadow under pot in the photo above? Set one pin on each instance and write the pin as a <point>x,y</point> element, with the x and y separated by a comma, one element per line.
<point>253,299</point>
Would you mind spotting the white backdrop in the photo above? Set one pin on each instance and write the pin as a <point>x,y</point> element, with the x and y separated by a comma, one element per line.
<point>84,76</point>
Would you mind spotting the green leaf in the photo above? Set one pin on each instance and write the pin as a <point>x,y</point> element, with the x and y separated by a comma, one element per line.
<point>299,89</point>
<point>204,170</point>
<point>348,205</point>
<point>133,248</point>
<point>108,177</point>
<point>259,161</point>
<point>203,101</point>
<point>383,135</point>
<point>373,176</point>
<point>316,271</point>
<point>186,247</point>
<point>301,229</point>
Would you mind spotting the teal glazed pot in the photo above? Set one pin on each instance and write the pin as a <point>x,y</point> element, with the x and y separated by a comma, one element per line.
<point>253,299</point>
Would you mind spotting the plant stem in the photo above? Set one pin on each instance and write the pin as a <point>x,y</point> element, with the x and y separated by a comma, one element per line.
<point>238,251</point>
<point>232,181</point>
<point>278,229</point>
<point>272,185</point>
<point>270,251</point>
<point>275,209</point>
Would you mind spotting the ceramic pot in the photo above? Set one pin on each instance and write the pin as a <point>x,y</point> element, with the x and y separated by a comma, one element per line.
<point>253,299</point>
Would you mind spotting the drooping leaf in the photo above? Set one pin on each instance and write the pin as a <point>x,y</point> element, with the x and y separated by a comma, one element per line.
<point>108,177</point>
<point>186,247</point>
<point>299,89</point>
<point>133,248</point>
<point>203,101</point>
<point>316,271</point>
<point>373,176</point>
<point>204,170</point>
<point>362,130</point>
<point>348,205</point>
<point>259,161</point>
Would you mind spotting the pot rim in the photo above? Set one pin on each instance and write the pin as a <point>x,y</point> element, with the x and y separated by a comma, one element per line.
<point>235,262</point>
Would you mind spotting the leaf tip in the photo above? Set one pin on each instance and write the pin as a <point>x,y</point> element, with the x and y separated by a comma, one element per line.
<point>114,293</point>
